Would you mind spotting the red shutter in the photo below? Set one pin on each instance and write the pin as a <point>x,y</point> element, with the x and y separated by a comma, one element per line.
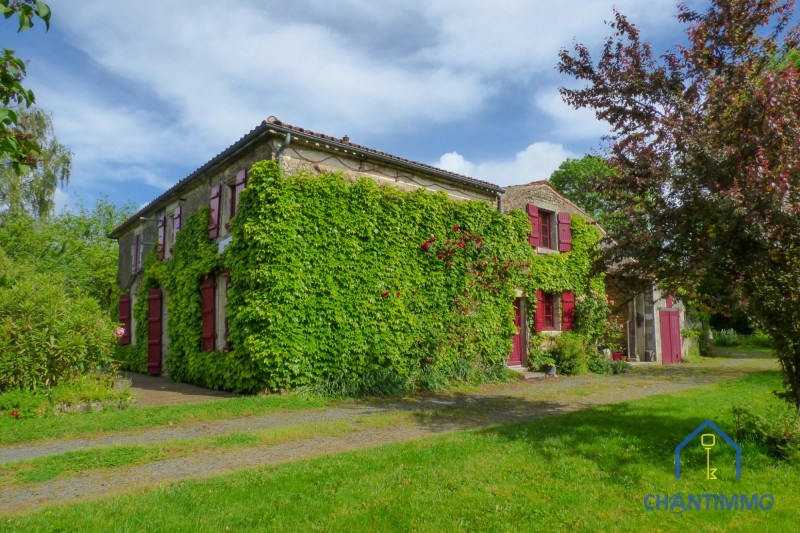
<point>125,318</point>
<point>238,187</point>
<point>567,310</point>
<point>213,217</point>
<point>154,328</point>
<point>538,318</point>
<point>534,238</point>
<point>162,234</point>
<point>564,232</point>
<point>227,330</point>
<point>208,336</point>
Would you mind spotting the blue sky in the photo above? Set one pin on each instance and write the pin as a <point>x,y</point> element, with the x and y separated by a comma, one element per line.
<point>145,92</point>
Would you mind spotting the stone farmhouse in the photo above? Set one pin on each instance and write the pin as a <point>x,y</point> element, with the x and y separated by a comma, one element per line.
<point>218,183</point>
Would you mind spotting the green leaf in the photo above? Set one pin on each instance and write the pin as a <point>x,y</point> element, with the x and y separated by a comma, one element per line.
<point>43,10</point>
<point>24,21</point>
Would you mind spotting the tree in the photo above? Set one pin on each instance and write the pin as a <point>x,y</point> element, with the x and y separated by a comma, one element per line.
<point>32,191</point>
<point>71,246</point>
<point>581,180</point>
<point>705,144</point>
<point>17,148</point>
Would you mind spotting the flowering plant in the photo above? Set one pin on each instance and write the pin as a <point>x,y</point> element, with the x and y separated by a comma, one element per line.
<point>593,320</point>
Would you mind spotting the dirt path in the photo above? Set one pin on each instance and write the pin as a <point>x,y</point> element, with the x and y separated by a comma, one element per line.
<point>452,412</point>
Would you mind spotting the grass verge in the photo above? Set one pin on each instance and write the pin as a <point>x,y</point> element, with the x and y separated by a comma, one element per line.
<point>585,471</point>
<point>70,463</point>
<point>109,420</point>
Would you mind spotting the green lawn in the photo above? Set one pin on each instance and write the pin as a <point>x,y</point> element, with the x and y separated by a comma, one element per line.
<point>110,420</point>
<point>586,471</point>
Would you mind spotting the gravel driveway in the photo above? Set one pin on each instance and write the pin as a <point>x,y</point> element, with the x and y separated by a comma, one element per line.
<point>490,406</point>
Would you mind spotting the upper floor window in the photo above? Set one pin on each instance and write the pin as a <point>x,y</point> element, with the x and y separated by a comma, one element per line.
<point>545,229</point>
<point>136,252</point>
<point>549,230</point>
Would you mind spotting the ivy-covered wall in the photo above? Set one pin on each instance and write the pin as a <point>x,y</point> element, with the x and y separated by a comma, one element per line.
<point>332,278</point>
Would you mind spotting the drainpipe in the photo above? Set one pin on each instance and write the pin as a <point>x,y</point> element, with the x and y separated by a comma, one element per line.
<point>283,147</point>
<point>500,203</point>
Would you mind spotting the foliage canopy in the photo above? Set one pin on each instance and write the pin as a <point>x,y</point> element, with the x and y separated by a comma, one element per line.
<point>705,145</point>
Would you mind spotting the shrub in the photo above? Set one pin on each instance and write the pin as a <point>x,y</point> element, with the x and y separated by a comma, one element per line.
<point>704,344</point>
<point>620,367</point>
<point>599,363</point>
<point>758,338</point>
<point>48,336</point>
<point>778,431</point>
<point>726,337</point>
<point>570,354</point>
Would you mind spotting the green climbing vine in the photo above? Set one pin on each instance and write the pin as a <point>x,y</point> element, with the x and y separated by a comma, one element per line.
<point>331,277</point>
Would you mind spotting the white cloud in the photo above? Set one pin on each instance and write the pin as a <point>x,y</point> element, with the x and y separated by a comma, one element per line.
<point>201,73</point>
<point>536,162</point>
<point>568,122</point>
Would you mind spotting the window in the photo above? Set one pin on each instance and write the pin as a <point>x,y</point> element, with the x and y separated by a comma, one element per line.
<point>208,335</point>
<point>546,311</point>
<point>549,311</point>
<point>176,222</point>
<point>136,253</point>
<point>235,190</point>
<point>545,229</point>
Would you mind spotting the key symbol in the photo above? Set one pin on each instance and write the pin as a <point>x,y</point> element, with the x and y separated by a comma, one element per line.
<point>708,441</point>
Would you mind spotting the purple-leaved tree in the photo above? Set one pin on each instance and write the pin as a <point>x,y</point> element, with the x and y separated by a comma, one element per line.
<point>705,145</point>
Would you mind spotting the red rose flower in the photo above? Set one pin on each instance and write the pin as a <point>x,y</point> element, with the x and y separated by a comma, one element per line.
<point>456,229</point>
<point>385,294</point>
<point>14,414</point>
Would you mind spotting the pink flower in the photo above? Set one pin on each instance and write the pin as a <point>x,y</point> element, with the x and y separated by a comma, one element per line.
<point>441,256</point>
<point>581,298</point>
<point>608,324</point>
<point>610,301</point>
<point>463,309</point>
<point>119,332</point>
<point>456,229</point>
<point>449,264</point>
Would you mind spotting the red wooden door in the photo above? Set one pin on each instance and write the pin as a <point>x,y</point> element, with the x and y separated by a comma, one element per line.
<point>515,359</point>
<point>154,315</point>
<point>670,337</point>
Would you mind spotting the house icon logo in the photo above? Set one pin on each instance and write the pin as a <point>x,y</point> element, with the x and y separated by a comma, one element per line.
<point>708,441</point>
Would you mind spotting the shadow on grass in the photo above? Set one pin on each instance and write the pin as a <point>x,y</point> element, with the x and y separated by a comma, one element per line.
<point>643,432</point>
